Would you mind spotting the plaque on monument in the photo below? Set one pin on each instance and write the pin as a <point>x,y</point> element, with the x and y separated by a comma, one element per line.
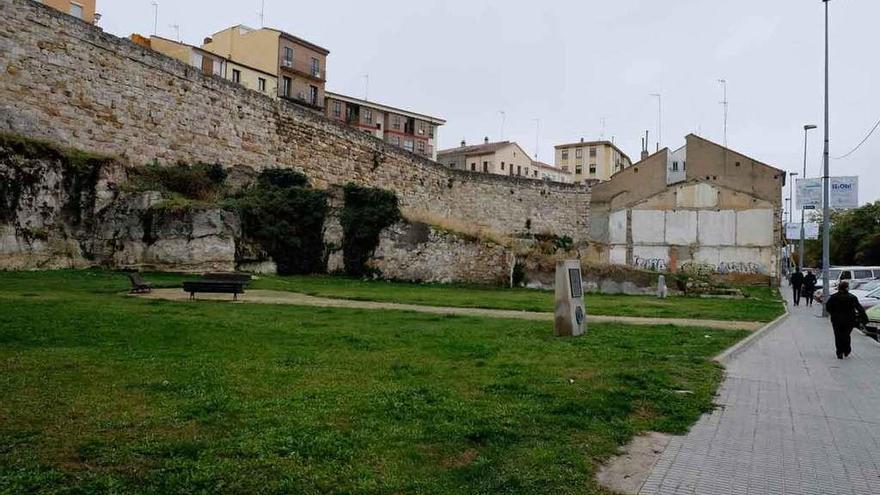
<point>571,315</point>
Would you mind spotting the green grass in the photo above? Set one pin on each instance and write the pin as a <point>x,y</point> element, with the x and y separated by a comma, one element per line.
<point>762,304</point>
<point>104,393</point>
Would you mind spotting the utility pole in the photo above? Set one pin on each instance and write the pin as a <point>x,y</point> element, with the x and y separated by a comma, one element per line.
<point>155,18</point>
<point>826,225</point>
<point>801,247</point>
<point>366,87</point>
<point>176,28</point>
<point>537,135</point>
<point>724,105</point>
<point>503,118</point>
<point>659,118</point>
<point>263,13</point>
<point>602,135</point>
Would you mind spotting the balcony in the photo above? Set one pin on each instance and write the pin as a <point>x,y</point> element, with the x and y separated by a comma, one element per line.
<point>304,70</point>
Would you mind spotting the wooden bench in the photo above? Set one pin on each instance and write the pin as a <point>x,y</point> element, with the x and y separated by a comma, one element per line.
<point>214,287</point>
<point>138,284</point>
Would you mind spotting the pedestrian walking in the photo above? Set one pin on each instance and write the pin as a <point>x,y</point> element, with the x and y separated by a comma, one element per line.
<point>846,313</point>
<point>809,287</point>
<point>796,281</point>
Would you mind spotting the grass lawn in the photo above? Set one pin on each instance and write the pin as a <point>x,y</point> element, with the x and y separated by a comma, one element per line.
<point>104,393</point>
<point>762,304</point>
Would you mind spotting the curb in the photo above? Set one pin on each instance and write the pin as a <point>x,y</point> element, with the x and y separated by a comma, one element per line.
<point>726,356</point>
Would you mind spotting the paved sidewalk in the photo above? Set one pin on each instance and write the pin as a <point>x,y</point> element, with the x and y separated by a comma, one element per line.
<point>295,298</point>
<point>793,419</point>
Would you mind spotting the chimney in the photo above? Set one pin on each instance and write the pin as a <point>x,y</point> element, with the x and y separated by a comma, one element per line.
<point>463,144</point>
<point>208,40</point>
<point>486,140</point>
<point>645,146</point>
<point>582,140</point>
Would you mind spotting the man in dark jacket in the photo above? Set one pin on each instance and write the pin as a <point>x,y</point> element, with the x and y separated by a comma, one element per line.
<point>809,287</point>
<point>797,281</point>
<point>846,314</point>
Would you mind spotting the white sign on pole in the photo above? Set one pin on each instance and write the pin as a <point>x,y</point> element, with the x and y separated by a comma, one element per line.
<point>844,193</point>
<point>793,231</point>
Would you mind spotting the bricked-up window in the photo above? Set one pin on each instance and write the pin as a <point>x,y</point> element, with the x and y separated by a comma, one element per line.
<point>287,59</point>
<point>76,10</point>
<point>592,168</point>
<point>261,83</point>
<point>486,167</point>
<point>593,152</point>
<point>579,153</point>
<point>368,116</point>
<point>337,109</point>
<point>518,170</point>
<point>236,76</point>
<point>565,154</point>
<point>286,84</point>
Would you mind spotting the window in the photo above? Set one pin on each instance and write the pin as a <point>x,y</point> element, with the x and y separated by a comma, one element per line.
<point>422,128</point>
<point>395,122</point>
<point>408,145</point>
<point>422,147</point>
<point>683,165</point>
<point>473,167</point>
<point>593,168</point>
<point>502,165</point>
<point>485,167</point>
<point>337,109</point>
<point>313,95</point>
<point>675,166</point>
<point>452,165</point>
<point>527,171</point>
<point>430,131</point>
<point>286,84</point>
<point>536,173</point>
<point>396,140</point>
<point>579,153</point>
<point>862,274</point>
<point>236,76</point>
<point>846,275</point>
<point>579,169</point>
<point>565,154</point>
<point>518,170</point>
<point>368,116</point>
<point>316,67</point>
<point>76,10</point>
<point>593,152</point>
<point>287,59</point>
<point>261,82</point>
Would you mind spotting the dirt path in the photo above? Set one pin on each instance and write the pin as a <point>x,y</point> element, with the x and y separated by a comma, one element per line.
<point>297,299</point>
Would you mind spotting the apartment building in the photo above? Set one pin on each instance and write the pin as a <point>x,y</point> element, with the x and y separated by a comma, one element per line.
<point>81,9</point>
<point>500,158</point>
<point>298,65</point>
<point>551,173</point>
<point>211,64</point>
<point>591,160</point>
<point>411,131</point>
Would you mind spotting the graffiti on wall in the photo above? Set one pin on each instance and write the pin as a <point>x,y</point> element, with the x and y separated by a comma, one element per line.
<point>652,264</point>
<point>724,267</point>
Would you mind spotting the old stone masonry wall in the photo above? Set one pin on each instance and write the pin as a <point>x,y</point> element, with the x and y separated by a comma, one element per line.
<point>70,82</point>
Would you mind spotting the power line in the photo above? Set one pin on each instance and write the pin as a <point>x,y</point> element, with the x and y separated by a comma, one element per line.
<point>876,126</point>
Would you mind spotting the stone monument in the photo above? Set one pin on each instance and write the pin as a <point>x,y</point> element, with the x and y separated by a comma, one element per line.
<point>571,314</point>
<point>661,287</point>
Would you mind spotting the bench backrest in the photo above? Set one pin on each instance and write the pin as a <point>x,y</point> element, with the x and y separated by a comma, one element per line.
<point>233,277</point>
<point>216,286</point>
<point>136,279</point>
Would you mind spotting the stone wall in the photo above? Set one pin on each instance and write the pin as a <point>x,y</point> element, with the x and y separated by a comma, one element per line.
<point>70,82</point>
<point>417,252</point>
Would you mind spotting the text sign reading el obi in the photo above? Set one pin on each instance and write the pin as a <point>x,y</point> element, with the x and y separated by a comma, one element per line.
<point>844,193</point>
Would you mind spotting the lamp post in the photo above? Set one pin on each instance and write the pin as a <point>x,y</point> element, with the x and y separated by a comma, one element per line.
<point>807,128</point>
<point>826,226</point>
<point>791,175</point>
<point>659,119</point>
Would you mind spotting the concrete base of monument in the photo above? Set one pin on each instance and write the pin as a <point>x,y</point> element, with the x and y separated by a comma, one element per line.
<point>628,471</point>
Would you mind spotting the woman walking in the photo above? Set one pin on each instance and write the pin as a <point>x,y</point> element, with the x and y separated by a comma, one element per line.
<point>809,287</point>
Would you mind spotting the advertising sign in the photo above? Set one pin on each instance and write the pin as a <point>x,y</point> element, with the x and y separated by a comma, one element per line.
<point>844,193</point>
<point>793,231</point>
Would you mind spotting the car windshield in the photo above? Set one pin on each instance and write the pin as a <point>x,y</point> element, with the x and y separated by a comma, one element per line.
<point>870,286</point>
<point>875,293</point>
<point>833,274</point>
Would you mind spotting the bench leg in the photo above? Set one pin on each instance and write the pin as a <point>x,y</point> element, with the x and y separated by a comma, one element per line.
<point>235,296</point>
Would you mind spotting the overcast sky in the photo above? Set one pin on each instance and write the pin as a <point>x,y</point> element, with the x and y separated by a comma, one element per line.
<point>572,64</point>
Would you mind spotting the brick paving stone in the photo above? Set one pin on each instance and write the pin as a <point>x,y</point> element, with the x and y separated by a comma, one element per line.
<point>792,419</point>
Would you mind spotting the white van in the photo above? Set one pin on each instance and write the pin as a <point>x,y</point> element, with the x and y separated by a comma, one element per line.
<point>837,274</point>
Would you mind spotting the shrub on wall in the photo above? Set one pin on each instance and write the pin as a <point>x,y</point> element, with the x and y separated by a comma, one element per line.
<point>200,182</point>
<point>286,217</point>
<point>367,212</point>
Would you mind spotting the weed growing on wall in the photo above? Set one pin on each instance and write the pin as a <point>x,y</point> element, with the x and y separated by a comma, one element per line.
<point>367,212</point>
<point>200,182</point>
<point>286,217</point>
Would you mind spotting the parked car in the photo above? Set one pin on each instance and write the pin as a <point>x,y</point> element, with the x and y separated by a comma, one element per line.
<point>837,274</point>
<point>873,326</point>
<point>861,288</point>
<point>870,299</point>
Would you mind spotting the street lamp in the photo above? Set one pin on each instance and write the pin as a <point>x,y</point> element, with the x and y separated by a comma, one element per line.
<point>826,225</point>
<point>791,175</point>
<point>807,128</point>
<point>659,119</point>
